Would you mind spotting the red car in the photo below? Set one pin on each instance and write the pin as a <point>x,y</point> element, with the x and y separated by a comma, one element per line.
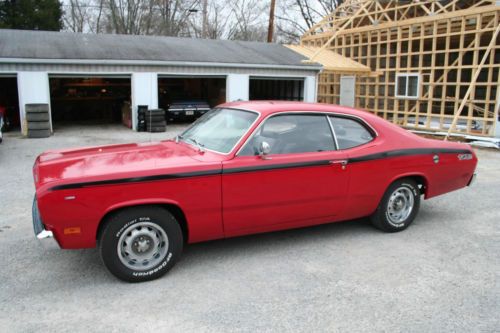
<point>243,168</point>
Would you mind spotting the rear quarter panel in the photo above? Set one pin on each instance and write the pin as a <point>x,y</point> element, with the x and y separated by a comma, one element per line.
<point>396,153</point>
<point>370,179</point>
<point>451,173</point>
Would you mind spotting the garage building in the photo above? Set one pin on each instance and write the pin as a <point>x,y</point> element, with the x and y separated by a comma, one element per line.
<point>88,79</point>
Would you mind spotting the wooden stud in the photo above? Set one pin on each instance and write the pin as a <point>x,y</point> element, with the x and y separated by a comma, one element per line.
<point>473,81</point>
<point>401,37</point>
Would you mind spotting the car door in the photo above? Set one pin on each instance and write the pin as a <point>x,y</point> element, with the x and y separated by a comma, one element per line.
<point>302,179</point>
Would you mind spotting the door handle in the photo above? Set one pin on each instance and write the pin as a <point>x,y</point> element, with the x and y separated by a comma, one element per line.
<point>343,163</point>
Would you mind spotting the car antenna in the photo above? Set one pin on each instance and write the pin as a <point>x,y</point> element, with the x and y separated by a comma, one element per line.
<point>150,127</point>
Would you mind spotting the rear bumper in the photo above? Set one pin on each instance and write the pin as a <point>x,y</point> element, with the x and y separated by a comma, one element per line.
<point>45,237</point>
<point>178,114</point>
<point>472,179</point>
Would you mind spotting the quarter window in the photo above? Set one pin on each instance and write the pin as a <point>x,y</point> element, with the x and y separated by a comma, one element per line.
<point>288,134</point>
<point>349,132</point>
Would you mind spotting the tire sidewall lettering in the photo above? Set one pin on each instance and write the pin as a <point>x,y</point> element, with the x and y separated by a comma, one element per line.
<point>400,225</point>
<point>152,271</point>
<point>129,223</point>
<point>155,270</point>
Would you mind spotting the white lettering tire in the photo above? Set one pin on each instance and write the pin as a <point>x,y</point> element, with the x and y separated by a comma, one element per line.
<point>140,243</point>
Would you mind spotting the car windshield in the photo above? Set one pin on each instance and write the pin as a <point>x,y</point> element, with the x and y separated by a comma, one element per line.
<point>219,129</point>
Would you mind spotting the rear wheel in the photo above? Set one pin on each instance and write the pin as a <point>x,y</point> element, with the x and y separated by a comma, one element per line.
<point>398,207</point>
<point>141,244</point>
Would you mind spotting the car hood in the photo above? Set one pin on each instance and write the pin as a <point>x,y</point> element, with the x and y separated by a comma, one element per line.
<point>92,164</point>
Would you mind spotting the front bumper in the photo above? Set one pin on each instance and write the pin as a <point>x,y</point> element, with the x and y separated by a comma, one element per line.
<point>45,237</point>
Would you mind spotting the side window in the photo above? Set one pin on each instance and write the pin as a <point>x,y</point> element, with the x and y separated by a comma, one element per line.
<point>350,133</point>
<point>288,134</point>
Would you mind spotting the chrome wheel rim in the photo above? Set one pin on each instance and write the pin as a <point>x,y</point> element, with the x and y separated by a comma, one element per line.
<point>142,246</point>
<point>400,205</point>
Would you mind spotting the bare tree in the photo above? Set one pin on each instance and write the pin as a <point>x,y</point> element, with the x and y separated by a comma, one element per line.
<point>84,15</point>
<point>248,21</point>
<point>215,19</point>
<point>297,16</point>
<point>174,15</point>
<point>238,20</point>
<point>78,15</point>
<point>131,17</point>
<point>160,17</point>
<point>100,8</point>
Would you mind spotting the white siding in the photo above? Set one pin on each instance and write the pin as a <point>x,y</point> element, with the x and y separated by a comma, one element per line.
<point>144,92</point>
<point>237,87</point>
<point>33,87</point>
<point>310,85</point>
<point>161,70</point>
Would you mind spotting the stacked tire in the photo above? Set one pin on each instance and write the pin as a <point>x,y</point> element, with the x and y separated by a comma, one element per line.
<point>141,118</point>
<point>38,120</point>
<point>155,120</point>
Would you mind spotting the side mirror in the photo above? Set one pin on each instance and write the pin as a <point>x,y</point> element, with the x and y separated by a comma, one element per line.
<point>264,149</point>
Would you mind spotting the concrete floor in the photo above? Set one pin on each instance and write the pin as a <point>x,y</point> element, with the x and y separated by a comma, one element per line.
<point>441,274</point>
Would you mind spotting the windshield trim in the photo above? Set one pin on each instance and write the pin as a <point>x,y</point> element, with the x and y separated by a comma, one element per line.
<point>239,140</point>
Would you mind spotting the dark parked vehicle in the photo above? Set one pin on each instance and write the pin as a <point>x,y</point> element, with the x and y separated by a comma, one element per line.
<point>187,109</point>
<point>2,112</point>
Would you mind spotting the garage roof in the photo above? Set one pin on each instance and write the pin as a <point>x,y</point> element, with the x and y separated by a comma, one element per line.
<point>24,45</point>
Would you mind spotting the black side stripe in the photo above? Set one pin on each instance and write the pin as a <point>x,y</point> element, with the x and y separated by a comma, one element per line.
<point>276,166</point>
<point>371,157</point>
<point>408,152</point>
<point>137,179</point>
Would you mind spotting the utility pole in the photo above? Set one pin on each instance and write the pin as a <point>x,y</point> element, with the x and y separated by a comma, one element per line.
<point>204,28</point>
<point>270,31</point>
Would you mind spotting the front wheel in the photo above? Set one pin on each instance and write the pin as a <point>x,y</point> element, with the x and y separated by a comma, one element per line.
<point>398,207</point>
<point>141,244</point>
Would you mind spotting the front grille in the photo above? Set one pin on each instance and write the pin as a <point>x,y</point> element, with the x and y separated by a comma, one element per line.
<point>37,220</point>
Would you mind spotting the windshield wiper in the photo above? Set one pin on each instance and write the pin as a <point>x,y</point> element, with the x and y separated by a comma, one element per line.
<point>199,145</point>
<point>178,137</point>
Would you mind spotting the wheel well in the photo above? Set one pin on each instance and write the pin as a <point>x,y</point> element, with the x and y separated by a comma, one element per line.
<point>420,180</point>
<point>173,209</point>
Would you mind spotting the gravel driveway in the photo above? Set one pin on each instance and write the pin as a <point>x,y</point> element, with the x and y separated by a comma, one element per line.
<point>442,274</point>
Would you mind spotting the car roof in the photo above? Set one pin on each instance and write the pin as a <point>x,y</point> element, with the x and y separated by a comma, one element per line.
<point>268,107</point>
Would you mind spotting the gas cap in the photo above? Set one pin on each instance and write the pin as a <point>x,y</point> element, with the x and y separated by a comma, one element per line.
<point>436,159</point>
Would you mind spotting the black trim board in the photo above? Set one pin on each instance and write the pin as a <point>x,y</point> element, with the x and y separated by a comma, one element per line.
<point>371,157</point>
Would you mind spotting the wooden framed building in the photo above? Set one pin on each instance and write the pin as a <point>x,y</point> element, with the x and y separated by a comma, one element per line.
<point>434,65</point>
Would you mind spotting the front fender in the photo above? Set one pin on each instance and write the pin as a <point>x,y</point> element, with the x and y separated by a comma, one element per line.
<point>133,203</point>
<point>139,202</point>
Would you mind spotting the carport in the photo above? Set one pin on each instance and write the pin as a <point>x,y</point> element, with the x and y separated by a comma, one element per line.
<point>192,89</point>
<point>9,100</point>
<point>87,100</point>
<point>88,79</point>
<point>276,88</point>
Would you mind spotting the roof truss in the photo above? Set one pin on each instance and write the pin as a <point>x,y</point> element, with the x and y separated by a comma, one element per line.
<point>358,13</point>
